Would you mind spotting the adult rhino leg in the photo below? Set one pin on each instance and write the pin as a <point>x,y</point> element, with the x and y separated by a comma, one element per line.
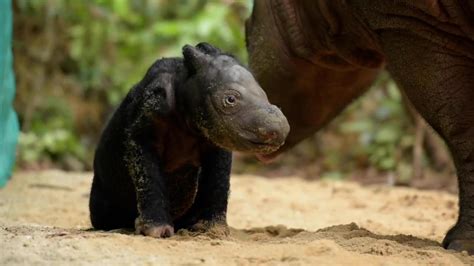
<point>439,81</point>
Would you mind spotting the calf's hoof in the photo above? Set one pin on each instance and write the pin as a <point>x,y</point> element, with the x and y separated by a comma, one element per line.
<point>218,229</point>
<point>153,229</point>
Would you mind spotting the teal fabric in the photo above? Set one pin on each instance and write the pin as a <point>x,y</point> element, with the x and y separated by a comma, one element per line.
<point>9,128</point>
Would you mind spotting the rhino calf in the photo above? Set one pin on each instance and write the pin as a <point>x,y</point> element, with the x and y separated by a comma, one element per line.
<point>164,160</point>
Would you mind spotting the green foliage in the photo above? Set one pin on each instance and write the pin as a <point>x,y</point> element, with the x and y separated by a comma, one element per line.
<point>375,132</point>
<point>384,133</point>
<point>50,138</point>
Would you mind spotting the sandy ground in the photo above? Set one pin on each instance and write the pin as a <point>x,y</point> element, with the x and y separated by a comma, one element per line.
<point>44,220</point>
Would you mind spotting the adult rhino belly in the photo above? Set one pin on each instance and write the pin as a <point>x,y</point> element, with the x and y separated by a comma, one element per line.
<point>182,189</point>
<point>446,24</point>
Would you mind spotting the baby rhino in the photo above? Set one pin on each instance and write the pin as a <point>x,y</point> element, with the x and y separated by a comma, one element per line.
<point>164,160</point>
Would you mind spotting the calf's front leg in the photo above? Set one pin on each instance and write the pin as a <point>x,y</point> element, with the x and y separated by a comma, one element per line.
<point>152,198</point>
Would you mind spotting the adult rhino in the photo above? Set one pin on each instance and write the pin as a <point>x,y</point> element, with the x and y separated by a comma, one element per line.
<point>314,57</point>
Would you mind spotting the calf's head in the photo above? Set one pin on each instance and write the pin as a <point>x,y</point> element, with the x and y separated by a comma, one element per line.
<point>224,102</point>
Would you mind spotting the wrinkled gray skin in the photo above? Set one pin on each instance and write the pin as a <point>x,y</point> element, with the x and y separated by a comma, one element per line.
<point>313,57</point>
<point>228,106</point>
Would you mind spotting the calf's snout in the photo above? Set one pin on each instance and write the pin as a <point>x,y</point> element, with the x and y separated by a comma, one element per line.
<point>272,126</point>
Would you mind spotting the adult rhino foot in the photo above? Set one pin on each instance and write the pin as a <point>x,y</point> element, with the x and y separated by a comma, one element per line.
<point>460,238</point>
<point>462,245</point>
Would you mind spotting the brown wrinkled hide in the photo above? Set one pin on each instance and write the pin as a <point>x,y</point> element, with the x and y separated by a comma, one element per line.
<point>313,57</point>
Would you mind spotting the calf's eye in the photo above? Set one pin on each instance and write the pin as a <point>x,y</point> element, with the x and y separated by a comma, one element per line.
<point>230,100</point>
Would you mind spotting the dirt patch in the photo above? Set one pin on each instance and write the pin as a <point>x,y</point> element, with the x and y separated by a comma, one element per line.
<point>44,220</point>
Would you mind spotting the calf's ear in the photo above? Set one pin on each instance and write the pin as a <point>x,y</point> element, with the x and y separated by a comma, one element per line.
<point>208,49</point>
<point>194,59</point>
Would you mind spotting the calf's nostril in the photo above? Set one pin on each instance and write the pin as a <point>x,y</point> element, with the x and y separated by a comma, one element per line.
<point>267,136</point>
